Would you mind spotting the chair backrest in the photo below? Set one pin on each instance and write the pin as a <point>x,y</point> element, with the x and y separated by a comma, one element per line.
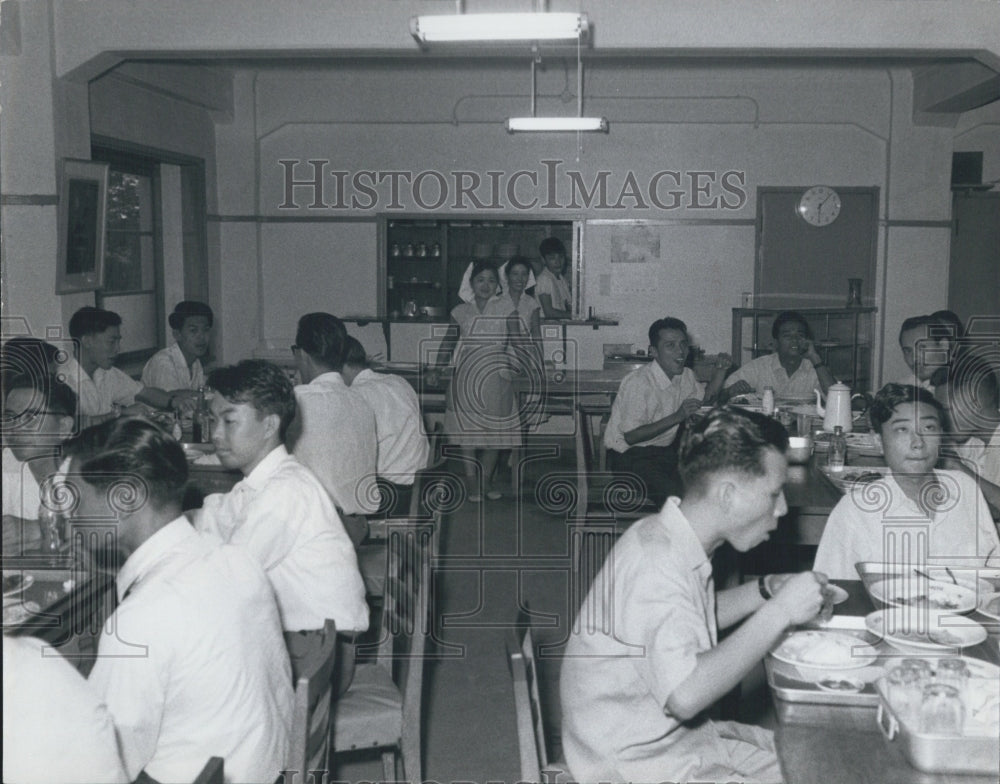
<point>212,773</point>
<point>406,622</point>
<point>311,714</point>
<point>584,457</point>
<point>527,703</point>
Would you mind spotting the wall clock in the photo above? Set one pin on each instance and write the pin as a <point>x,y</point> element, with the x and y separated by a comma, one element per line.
<point>819,205</point>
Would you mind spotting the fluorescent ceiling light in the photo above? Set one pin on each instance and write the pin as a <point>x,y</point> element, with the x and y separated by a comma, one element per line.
<point>515,124</point>
<point>500,27</point>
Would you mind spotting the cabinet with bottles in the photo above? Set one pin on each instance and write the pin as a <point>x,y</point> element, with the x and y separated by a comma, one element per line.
<point>415,269</point>
<point>842,336</point>
<point>425,260</point>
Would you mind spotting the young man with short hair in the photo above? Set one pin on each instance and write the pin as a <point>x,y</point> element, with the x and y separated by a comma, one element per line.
<point>39,412</point>
<point>399,425</point>
<point>634,685</point>
<point>959,528</point>
<point>552,289</point>
<point>280,511</point>
<point>794,370</point>
<point>334,430</point>
<point>103,390</point>
<point>178,368</point>
<point>651,404</point>
<point>196,666</point>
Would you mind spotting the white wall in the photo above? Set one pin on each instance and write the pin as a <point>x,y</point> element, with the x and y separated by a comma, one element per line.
<point>771,125</point>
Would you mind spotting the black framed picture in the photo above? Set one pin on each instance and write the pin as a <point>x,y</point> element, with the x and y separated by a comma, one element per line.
<point>83,202</point>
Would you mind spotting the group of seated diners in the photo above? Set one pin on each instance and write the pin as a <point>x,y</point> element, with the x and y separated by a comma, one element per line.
<point>219,606</point>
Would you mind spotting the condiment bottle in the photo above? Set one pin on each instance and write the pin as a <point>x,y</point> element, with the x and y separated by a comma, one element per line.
<point>198,421</point>
<point>767,404</point>
<point>177,432</point>
<point>837,456</point>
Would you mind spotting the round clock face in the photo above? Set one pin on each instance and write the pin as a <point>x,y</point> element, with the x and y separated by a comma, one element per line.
<point>819,205</point>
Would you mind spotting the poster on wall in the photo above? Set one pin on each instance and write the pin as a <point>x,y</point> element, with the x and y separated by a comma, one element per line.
<point>83,201</point>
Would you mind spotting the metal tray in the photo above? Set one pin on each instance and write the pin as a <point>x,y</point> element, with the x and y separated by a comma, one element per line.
<point>978,753</point>
<point>788,684</point>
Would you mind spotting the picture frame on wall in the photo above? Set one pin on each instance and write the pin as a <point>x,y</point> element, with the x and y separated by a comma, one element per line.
<point>83,204</point>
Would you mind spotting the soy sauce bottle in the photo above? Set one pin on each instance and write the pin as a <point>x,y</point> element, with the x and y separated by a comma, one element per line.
<point>836,458</point>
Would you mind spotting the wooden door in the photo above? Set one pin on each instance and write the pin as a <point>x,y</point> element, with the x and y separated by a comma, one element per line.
<point>801,265</point>
<point>974,274</point>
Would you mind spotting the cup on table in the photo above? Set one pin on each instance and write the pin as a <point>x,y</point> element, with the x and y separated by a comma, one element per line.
<point>954,672</point>
<point>925,674</point>
<point>904,692</point>
<point>942,710</point>
<point>802,424</point>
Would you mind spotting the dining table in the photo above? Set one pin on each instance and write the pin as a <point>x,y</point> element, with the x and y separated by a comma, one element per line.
<point>824,743</point>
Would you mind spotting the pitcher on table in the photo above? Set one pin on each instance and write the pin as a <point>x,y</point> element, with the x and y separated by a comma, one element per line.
<point>838,412</point>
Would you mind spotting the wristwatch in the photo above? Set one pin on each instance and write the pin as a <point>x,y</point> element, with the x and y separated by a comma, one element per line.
<point>762,587</point>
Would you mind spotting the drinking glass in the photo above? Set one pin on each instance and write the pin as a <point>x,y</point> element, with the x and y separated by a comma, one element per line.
<point>954,672</point>
<point>942,710</point>
<point>923,669</point>
<point>903,689</point>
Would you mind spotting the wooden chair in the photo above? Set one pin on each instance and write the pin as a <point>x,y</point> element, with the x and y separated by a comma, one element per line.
<point>310,741</point>
<point>381,709</point>
<point>212,773</point>
<point>599,493</point>
<point>535,765</point>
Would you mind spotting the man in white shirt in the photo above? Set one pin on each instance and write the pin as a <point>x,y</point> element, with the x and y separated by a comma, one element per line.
<point>195,666</point>
<point>794,370</point>
<point>651,404</point>
<point>56,728</point>
<point>279,511</point>
<point>103,390</point>
<point>334,428</point>
<point>944,508</point>
<point>178,367</point>
<point>646,661</point>
<point>971,398</point>
<point>551,287</point>
<point>39,412</point>
<point>399,425</point>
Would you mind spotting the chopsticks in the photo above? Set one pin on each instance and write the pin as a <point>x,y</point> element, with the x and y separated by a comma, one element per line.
<point>921,573</point>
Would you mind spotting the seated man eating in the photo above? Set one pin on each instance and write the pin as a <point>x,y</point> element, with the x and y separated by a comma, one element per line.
<point>794,370</point>
<point>945,506</point>
<point>636,682</point>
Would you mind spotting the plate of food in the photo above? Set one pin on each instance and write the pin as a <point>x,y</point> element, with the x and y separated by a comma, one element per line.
<point>912,590</point>
<point>14,614</point>
<point>15,582</point>
<point>825,650</point>
<point>989,606</point>
<point>933,631</point>
<point>850,478</point>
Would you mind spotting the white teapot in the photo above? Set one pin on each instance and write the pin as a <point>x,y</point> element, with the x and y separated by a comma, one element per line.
<point>837,412</point>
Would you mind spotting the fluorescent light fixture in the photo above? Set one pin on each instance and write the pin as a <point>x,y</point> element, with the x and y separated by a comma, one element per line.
<point>500,27</point>
<point>515,124</point>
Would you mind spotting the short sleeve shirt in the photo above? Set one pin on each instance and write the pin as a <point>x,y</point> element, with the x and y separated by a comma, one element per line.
<point>557,288</point>
<point>107,388</point>
<point>167,369</point>
<point>645,396</point>
<point>960,532</point>
<point>654,605</point>
<point>767,371</point>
